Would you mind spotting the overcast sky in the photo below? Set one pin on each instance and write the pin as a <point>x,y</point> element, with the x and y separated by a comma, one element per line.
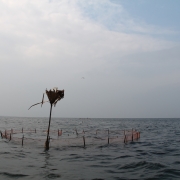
<point>127,51</point>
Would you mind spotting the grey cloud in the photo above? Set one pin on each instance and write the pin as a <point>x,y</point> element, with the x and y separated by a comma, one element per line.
<point>51,44</point>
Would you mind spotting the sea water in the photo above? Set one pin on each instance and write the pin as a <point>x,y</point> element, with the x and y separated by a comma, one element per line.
<point>156,155</point>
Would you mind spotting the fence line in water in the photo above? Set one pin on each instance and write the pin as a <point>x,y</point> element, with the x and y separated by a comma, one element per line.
<point>70,137</point>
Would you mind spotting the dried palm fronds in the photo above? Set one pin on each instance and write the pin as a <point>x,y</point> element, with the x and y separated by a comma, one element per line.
<point>53,95</point>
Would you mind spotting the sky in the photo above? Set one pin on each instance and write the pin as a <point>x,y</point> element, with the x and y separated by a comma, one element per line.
<point>127,51</point>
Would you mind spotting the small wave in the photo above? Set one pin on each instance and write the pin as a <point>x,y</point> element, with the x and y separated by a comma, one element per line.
<point>167,174</point>
<point>98,166</point>
<point>172,172</point>
<point>13,175</point>
<point>53,176</point>
<point>5,153</point>
<point>147,165</point>
<point>177,162</point>
<point>126,156</point>
<point>111,171</point>
<point>158,153</point>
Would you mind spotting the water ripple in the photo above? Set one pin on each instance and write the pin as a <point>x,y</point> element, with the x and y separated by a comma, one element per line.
<point>12,175</point>
<point>154,156</point>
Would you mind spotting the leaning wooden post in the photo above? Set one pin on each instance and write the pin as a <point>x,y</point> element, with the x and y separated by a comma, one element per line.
<point>47,139</point>
<point>84,141</point>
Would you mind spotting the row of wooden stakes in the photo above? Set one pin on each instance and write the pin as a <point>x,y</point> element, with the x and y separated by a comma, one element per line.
<point>127,137</point>
<point>6,132</point>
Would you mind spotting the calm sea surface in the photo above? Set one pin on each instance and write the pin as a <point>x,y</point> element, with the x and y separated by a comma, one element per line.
<point>156,155</point>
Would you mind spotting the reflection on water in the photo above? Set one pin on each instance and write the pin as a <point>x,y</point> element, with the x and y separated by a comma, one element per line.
<point>154,156</point>
<point>49,170</point>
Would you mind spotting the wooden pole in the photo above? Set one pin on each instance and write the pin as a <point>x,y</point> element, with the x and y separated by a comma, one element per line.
<point>108,136</point>
<point>132,134</point>
<point>10,137</point>
<point>84,141</point>
<point>22,140</point>
<point>47,139</point>
<point>124,137</point>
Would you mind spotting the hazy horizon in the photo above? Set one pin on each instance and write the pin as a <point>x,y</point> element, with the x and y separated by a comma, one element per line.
<point>85,118</point>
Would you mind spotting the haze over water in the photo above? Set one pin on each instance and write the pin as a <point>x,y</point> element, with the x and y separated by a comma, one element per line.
<point>156,155</point>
